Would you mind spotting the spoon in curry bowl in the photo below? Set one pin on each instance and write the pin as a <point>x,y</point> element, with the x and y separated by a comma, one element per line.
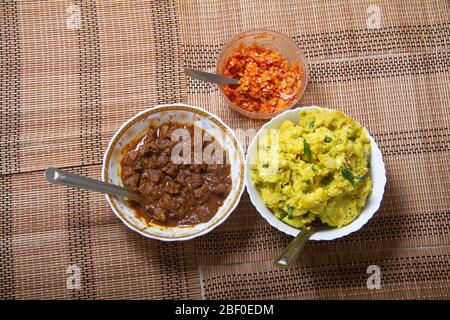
<point>61,177</point>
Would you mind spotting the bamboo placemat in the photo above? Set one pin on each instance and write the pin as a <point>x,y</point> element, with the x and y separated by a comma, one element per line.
<point>66,85</point>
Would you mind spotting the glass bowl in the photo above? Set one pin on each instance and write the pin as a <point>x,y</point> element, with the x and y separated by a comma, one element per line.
<point>271,40</point>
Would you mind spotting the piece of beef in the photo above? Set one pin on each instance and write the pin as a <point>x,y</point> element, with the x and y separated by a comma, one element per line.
<point>131,181</point>
<point>155,175</point>
<point>146,187</point>
<point>186,199</point>
<point>198,168</point>
<point>202,193</point>
<point>168,203</point>
<point>196,180</point>
<point>183,177</point>
<point>171,169</point>
<point>162,160</point>
<point>130,177</point>
<point>160,214</point>
<point>130,158</point>
<point>220,188</point>
<point>172,187</point>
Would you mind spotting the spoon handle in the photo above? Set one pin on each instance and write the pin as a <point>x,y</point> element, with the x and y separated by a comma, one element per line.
<point>292,250</point>
<point>58,176</point>
<point>209,77</point>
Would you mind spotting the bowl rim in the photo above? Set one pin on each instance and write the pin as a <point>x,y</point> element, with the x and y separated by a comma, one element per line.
<point>303,62</point>
<point>161,107</point>
<point>355,225</point>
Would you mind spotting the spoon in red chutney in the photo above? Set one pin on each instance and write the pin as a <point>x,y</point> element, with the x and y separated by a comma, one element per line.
<point>61,177</point>
<point>209,77</point>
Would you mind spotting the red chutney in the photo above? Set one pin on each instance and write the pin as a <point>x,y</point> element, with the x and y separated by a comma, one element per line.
<point>267,81</point>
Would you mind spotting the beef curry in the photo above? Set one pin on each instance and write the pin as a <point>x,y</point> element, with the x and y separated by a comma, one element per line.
<point>176,194</point>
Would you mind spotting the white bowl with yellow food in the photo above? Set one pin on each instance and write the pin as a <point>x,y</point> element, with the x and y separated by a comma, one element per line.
<point>315,164</point>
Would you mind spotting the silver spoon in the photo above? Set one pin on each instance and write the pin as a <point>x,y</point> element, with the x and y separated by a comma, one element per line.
<point>209,77</point>
<point>58,176</point>
<point>293,249</point>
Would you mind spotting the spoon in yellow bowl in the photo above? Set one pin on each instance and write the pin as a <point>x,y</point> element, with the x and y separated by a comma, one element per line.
<point>293,249</point>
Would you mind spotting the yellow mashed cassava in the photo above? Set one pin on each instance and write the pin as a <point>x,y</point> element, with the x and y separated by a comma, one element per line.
<point>319,169</point>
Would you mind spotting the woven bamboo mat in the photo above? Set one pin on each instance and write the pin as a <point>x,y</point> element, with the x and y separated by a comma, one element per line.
<point>66,87</point>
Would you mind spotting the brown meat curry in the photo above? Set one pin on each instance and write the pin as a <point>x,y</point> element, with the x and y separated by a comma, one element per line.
<point>175,194</point>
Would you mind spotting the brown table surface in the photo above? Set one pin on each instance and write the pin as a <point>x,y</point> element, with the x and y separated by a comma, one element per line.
<point>66,88</point>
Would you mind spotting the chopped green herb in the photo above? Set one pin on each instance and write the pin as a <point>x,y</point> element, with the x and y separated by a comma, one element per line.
<point>327,139</point>
<point>290,208</point>
<point>313,168</point>
<point>369,164</point>
<point>347,174</point>
<point>363,178</point>
<point>307,150</point>
<point>311,125</point>
<point>265,165</point>
<point>283,215</point>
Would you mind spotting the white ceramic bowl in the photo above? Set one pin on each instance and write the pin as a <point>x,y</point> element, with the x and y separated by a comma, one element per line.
<point>135,127</point>
<point>378,174</point>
